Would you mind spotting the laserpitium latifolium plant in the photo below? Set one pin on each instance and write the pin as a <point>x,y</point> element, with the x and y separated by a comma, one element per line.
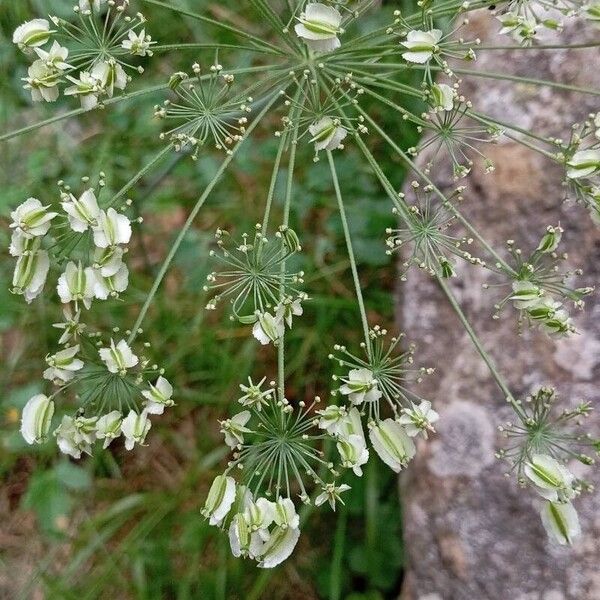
<point>313,72</point>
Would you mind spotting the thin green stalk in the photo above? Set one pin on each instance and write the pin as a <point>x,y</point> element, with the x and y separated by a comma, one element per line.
<point>358,290</point>
<point>182,233</point>
<point>480,349</point>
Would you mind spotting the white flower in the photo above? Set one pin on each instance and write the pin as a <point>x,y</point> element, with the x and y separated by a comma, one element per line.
<point>442,96</point>
<point>552,319</point>
<point>112,229</point>
<point>42,80</point>
<point>118,358</point>
<point>243,540</point>
<point>107,261</point>
<point>332,419</point>
<point>525,294</point>
<point>353,452</point>
<point>20,244</point>
<point>54,58</point>
<point>158,396</point>
<point>83,212</point>
<point>110,75</point>
<point>351,425</point>
<point>288,309</point>
<point>233,429</point>
<point>32,34</point>
<point>285,514</point>
<point>268,328</point>
<point>31,218</point>
<point>63,365</point>
<point>36,418</point>
<point>30,274</point>
<point>260,514</point>
<point>418,419</point>
<point>76,435</point>
<point>327,134</point>
<point>553,481</point>
<point>522,29</point>
<point>76,284</point>
<point>138,44</point>
<point>360,386</point>
<point>331,493</point>
<point>135,428</point>
<point>392,443</point>
<point>583,164</point>
<point>87,87</point>
<point>112,285</point>
<point>560,521</point>
<point>220,499</point>
<point>421,45</point>
<point>87,6</point>
<point>278,547</point>
<point>319,27</point>
<point>71,326</point>
<point>108,427</point>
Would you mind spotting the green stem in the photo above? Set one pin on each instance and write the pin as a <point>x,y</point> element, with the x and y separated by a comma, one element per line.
<point>182,233</point>
<point>480,349</point>
<point>342,210</point>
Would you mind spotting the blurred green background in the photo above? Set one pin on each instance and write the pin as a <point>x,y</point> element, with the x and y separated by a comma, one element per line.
<point>128,524</point>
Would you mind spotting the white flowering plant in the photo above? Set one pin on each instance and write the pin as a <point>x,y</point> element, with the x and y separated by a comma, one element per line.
<point>311,82</point>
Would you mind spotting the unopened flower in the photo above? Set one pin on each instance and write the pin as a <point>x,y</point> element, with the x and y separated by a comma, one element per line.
<point>220,499</point>
<point>584,163</point>
<point>233,429</point>
<point>418,419</point>
<point>32,34</point>
<point>135,427</point>
<point>76,435</point>
<point>254,396</point>
<point>112,285</point>
<point>30,274</point>
<point>327,134</point>
<point>360,386</point>
<point>87,87</point>
<point>71,326</point>
<point>319,27</point>
<point>442,96</point>
<point>137,44</point>
<point>159,396</point>
<point>63,365</point>
<point>31,218</point>
<point>82,212</point>
<point>353,452</point>
<point>118,358</point>
<point>36,418</point>
<point>553,481</point>
<point>392,443</point>
<point>331,493</point>
<point>268,328</point>
<point>108,427</point>
<point>112,229</point>
<point>421,45</point>
<point>560,521</point>
<point>77,284</point>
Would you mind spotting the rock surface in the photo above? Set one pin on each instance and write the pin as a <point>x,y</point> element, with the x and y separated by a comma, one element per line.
<point>471,533</point>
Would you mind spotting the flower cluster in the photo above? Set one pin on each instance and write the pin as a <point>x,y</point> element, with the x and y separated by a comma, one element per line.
<point>541,443</point>
<point>116,390</point>
<point>262,292</point>
<point>538,286</point>
<point>96,58</point>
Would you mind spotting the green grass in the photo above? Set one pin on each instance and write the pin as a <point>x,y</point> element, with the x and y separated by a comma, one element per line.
<point>127,525</point>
